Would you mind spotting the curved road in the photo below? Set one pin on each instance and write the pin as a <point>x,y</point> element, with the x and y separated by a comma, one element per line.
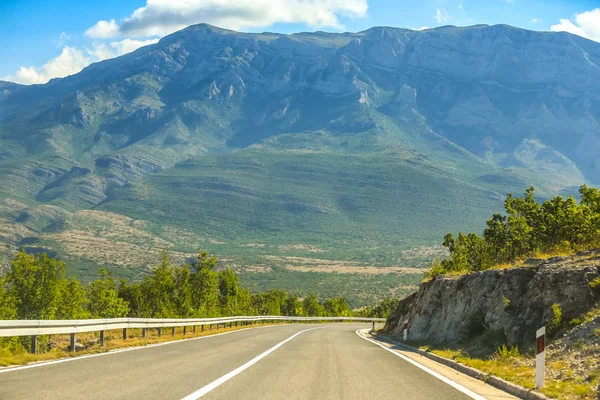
<point>281,362</point>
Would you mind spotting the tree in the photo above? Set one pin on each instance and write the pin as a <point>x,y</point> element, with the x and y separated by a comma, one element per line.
<point>233,298</point>
<point>104,298</point>
<point>132,294</point>
<point>73,300</point>
<point>336,307</point>
<point>158,290</point>
<point>496,236</point>
<point>34,283</point>
<point>205,286</point>
<point>7,303</point>
<point>292,306</point>
<point>311,306</point>
<point>182,295</point>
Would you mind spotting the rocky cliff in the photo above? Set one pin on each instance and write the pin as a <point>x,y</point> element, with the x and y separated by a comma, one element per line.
<point>485,309</point>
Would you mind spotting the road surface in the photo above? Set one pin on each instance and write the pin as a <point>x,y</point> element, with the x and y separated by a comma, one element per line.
<point>281,362</point>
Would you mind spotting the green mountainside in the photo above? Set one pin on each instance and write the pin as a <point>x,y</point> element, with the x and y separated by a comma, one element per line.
<point>313,159</point>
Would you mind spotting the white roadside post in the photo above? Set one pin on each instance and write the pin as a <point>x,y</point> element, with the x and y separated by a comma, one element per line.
<point>540,357</point>
<point>405,330</point>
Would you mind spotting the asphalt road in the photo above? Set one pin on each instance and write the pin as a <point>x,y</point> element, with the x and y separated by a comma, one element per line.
<point>330,362</point>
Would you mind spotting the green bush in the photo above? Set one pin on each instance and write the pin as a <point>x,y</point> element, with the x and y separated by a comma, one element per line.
<point>575,322</point>
<point>507,304</point>
<point>504,353</point>
<point>556,320</point>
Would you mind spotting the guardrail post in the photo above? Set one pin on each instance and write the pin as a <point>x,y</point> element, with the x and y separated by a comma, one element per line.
<point>210,327</point>
<point>159,331</point>
<point>173,331</point>
<point>194,329</point>
<point>144,333</point>
<point>201,328</point>
<point>373,330</point>
<point>124,333</point>
<point>185,330</point>
<point>33,344</point>
<point>101,338</point>
<point>72,342</point>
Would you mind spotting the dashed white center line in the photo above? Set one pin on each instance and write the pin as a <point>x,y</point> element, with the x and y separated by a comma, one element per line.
<point>218,382</point>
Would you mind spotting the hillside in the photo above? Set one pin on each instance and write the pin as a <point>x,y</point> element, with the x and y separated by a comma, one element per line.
<point>350,149</point>
<point>477,313</point>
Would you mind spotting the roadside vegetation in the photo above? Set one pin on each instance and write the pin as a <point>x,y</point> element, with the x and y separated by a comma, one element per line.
<point>529,229</point>
<point>89,343</point>
<point>37,287</point>
<point>510,364</point>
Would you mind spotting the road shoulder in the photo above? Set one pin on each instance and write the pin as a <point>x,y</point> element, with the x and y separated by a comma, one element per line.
<point>475,385</point>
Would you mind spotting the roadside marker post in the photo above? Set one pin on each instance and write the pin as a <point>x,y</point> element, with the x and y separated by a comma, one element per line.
<point>405,331</point>
<point>72,342</point>
<point>540,357</point>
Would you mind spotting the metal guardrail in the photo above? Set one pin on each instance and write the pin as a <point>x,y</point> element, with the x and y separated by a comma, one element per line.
<point>35,328</point>
<point>54,327</point>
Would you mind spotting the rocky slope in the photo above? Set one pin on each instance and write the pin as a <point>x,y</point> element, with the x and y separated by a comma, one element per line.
<point>483,310</point>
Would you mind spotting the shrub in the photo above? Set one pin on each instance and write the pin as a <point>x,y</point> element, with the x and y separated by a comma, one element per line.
<point>504,353</point>
<point>434,269</point>
<point>575,322</point>
<point>556,319</point>
<point>507,304</point>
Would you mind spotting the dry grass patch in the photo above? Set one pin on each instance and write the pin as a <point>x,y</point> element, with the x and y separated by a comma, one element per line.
<point>301,247</point>
<point>304,264</point>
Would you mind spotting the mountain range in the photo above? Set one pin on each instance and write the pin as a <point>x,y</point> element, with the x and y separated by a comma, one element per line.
<point>305,160</point>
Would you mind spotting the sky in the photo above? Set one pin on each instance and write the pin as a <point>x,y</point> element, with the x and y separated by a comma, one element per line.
<point>45,39</point>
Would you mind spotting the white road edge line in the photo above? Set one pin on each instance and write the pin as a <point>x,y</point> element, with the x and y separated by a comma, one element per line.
<point>148,346</point>
<point>450,382</point>
<point>218,382</point>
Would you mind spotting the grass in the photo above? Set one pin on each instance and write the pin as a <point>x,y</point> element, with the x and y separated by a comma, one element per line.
<point>520,369</point>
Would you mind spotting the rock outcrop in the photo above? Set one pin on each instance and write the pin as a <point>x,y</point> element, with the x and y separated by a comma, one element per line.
<point>499,306</point>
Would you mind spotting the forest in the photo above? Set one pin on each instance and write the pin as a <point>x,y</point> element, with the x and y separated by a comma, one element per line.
<point>529,229</point>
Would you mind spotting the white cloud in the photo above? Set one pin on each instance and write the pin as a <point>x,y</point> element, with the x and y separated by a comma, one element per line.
<point>72,60</point>
<point>461,7</point>
<point>586,24</point>
<point>102,51</point>
<point>161,17</point>
<point>441,15</point>
<point>103,30</point>
<point>62,39</point>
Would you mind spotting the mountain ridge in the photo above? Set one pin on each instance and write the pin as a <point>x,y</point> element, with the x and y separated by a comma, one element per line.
<point>240,137</point>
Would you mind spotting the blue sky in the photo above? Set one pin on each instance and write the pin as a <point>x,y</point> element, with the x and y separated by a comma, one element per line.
<point>43,39</point>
